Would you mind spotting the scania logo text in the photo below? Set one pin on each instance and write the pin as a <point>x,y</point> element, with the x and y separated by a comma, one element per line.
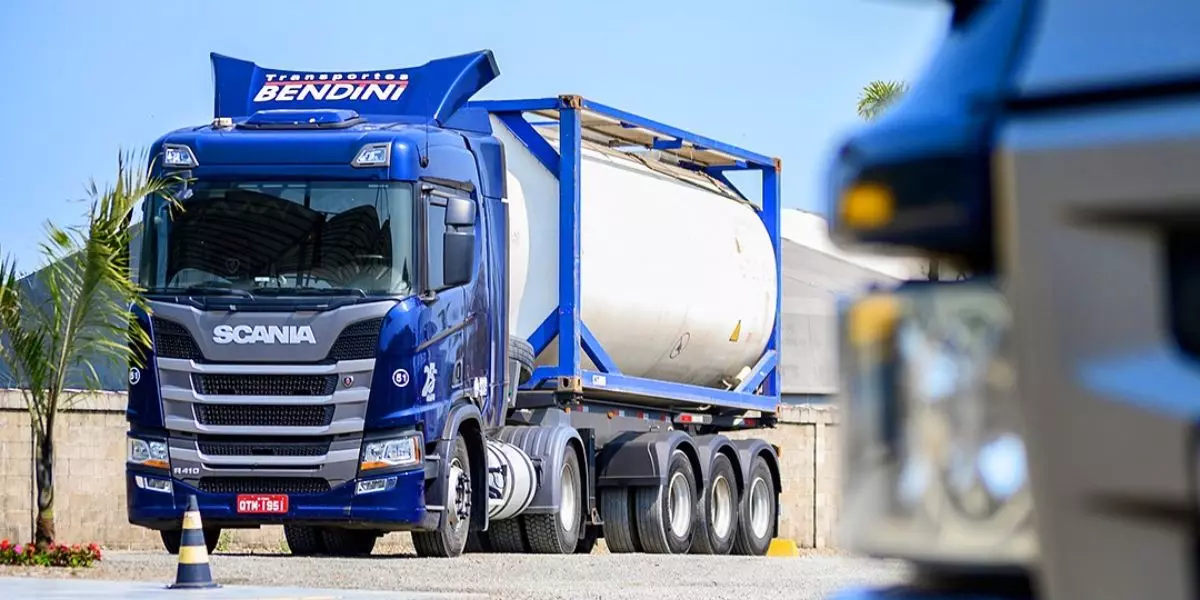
<point>263,334</point>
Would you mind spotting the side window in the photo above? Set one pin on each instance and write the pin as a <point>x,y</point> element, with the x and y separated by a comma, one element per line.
<point>435,224</point>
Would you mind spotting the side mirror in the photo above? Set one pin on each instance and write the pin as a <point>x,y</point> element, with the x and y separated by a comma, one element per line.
<point>460,212</point>
<point>458,255</point>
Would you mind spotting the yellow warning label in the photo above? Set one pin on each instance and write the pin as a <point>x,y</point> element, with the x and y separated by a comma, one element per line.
<point>737,332</point>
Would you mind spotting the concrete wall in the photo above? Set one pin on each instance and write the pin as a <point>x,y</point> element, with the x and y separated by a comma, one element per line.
<point>90,484</point>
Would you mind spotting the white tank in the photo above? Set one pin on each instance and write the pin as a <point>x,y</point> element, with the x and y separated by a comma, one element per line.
<point>678,280</point>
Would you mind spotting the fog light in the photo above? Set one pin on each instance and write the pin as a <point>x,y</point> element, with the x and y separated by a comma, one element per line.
<point>370,486</point>
<point>152,484</point>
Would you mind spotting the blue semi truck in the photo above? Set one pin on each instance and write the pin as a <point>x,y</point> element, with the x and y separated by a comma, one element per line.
<point>377,305</point>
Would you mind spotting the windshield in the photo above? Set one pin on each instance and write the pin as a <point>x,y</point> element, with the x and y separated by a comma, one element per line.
<point>283,237</point>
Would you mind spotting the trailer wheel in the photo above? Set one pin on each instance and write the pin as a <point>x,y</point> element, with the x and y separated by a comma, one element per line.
<point>303,540</point>
<point>615,509</point>
<point>758,511</point>
<point>454,522</point>
<point>666,513</point>
<point>349,542</point>
<point>558,532</point>
<point>171,538</point>
<point>716,522</point>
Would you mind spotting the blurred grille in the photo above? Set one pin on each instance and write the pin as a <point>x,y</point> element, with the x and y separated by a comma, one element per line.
<point>263,485</point>
<point>258,447</point>
<point>263,415</point>
<point>265,385</point>
<point>172,340</point>
<point>357,341</point>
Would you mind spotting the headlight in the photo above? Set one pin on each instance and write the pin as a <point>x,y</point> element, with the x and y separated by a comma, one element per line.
<point>935,460</point>
<point>147,453</point>
<point>395,453</point>
<point>178,156</point>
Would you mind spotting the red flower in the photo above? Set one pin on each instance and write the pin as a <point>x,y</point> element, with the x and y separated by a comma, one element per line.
<point>4,545</point>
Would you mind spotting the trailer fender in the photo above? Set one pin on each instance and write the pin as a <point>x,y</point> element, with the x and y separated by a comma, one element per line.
<point>545,445</point>
<point>708,446</point>
<point>749,449</point>
<point>640,459</point>
<point>463,419</point>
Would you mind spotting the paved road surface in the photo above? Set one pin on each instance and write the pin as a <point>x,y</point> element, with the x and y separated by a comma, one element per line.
<point>66,589</point>
<point>505,576</point>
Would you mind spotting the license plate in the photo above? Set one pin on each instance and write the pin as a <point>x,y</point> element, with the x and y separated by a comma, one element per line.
<point>257,503</point>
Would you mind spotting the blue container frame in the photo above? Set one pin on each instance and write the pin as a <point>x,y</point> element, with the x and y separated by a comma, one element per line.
<point>761,390</point>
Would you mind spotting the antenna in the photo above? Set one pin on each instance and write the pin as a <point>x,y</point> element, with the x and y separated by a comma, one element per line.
<point>425,155</point>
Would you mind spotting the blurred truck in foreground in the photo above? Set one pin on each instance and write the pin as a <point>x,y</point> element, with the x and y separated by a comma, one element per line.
<point>1030,431</point>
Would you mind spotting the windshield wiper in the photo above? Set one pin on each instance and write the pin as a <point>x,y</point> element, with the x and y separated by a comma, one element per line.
<point>202,290</point>
<point>303,291</point>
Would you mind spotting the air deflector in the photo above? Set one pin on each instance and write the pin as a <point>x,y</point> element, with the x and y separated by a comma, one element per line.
<point>429,92</point>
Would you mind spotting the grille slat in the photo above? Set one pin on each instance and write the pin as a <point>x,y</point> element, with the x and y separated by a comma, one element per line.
<point>263,485</point>
<point>172,340</point>
<point>258,448</point>
<point>264,415</point>
<point>264,385</point>
<point>358,341</point>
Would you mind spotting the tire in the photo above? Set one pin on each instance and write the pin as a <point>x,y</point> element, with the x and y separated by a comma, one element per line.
<point>171,539</point>
<point>303,540</point>
<point>717,519</point>
<point>666,513</point>
<point>450,538</point>
<point>506,536</point>
<point>619,532</point>
<point>558,532</point>
<point>521,351</point>
<point>349,542</point>
<point>758,513</point>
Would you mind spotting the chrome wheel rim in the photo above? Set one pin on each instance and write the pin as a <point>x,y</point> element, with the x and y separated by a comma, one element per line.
<point>760,508</point>
<point>720,507</point>
<point>569,505</point>
<point>679,505</point>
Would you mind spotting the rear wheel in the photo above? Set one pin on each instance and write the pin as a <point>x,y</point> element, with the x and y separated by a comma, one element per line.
<point>506,536</point>
<point>304,540</point>
<point>666,513</point>
<point>758,511</point>
<point>716,522</point>
<point>450,537</point>
<point>558,533</point>
<point>171,539</point>
<point>349,542</point>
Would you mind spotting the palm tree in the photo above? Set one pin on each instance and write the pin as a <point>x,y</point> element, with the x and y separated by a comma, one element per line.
<point>81,316</point>
<point>878,95</point>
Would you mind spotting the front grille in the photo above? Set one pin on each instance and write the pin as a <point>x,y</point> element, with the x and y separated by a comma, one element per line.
<point>265,385</point>
<point>358,341</point>
<point>172,340</point>
<point>264,415</point>
<point>263,485</point>
<point>258,447</point>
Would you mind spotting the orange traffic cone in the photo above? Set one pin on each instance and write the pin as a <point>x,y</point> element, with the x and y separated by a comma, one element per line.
<point>193,569</point>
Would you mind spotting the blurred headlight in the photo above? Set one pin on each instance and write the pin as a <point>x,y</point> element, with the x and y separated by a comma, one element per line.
<point>935,466</point>
<point>147,453</point>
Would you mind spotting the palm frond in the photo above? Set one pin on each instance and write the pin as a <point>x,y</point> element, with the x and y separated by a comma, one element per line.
<point>878,95</point>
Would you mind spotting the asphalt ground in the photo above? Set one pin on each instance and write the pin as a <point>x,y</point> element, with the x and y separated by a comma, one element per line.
<point>506,576</point>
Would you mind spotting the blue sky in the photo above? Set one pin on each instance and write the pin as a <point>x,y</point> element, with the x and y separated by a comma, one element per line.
<point>779,77</point>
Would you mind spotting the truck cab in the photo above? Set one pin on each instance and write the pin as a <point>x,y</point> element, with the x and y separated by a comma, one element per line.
<point>335,295</point>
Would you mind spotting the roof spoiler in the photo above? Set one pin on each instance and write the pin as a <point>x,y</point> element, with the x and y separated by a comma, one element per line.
<point>432,91</point>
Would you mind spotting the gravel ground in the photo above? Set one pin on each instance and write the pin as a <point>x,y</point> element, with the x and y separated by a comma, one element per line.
<point>515,576</point>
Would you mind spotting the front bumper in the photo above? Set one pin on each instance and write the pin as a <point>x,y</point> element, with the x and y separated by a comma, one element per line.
<point>400,508</point>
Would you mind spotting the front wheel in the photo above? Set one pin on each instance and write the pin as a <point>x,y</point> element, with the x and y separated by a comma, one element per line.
<point>303,540</point>
<point>450,538</point>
